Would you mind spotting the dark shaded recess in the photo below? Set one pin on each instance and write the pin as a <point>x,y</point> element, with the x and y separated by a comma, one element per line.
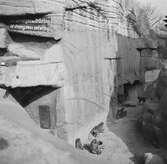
<point>9,19</point>
<point>3,51</point>
<point>75,8</point>
<point>146,48</point>
<point>26,95</point>
<point>138,158</point>
<point>127,86</point>
<point>19,37</point>
<point>163,52</point>
<point>3,144</point>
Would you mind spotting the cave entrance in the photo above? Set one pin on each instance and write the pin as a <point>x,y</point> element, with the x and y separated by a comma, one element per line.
<point>130,92</point>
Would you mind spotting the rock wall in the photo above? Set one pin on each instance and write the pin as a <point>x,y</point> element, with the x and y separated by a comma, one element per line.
<point>90,48</point>
<point>17,7</point>
<point>90,80</point>
<point>129,66</point>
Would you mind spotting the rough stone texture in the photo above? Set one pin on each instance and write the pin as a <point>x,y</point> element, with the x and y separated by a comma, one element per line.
<point>5,39</point>
<point>90,76</point>
<point>57,114</point>
<point>89,82</point>
<point>22,51</point>
<point>52,9</point>
<point>29,144</point>
<point>20,75</point>
<point>129,67</point>
<point>17,7</point>
<point>89,46</point>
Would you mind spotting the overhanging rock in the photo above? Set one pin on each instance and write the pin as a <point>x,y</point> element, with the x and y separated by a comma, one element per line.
<point>33,17</point>
<point>42,25</point>
<point>34,73</point>
<point>17,7</point>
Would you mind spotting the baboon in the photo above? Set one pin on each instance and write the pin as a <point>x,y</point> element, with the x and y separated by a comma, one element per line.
<point>78,144</point>
<point>97,129</point>
<point>141,100</point>
<point>121,113</point>
<point>93,147</point>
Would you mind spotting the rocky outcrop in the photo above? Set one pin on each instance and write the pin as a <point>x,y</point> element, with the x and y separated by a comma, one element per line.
<point>17,7</point>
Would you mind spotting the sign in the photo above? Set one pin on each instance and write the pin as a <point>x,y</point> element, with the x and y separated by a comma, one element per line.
<point>152,75</point>
<point>39,26</point>
<point>44,115</point>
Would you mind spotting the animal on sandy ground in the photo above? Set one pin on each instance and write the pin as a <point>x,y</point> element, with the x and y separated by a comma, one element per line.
<point>97,129</point>
<point>121,113</point>
<point>95,147</point>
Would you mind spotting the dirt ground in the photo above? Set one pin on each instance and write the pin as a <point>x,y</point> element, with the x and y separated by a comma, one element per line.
<point>125,128</point>
<point>122,140</point>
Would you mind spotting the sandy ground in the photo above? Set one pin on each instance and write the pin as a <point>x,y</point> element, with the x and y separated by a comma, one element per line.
<point>122,140</point>
<point>125,129</point>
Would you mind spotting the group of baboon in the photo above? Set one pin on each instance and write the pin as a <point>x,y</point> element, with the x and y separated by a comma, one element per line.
<point>95,146</point>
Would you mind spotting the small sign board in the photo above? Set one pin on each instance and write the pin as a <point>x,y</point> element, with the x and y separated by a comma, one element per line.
<point>44,115</point>
<point>152,75</point>
<point>39,26</point>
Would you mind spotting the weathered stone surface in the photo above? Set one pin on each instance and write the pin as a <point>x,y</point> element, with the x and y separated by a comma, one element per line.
<point>21,74</point>
<point>30,145</point>
<point>5,38</point>
<point>22,51</point>
<point>17,7</point>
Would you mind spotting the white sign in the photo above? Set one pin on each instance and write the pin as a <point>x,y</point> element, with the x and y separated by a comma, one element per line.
<point>152,75</point>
